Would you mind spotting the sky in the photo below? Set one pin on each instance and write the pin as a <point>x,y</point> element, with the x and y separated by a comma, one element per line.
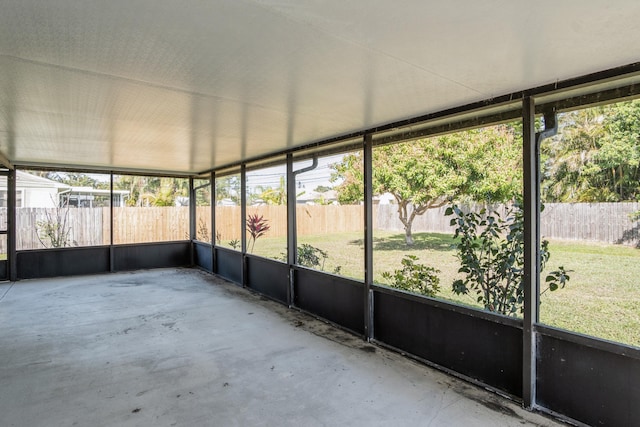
<point>308,181</point>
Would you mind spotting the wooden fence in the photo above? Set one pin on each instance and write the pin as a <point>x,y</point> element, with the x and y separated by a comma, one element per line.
<point>309,219</point>
<point>143,225</point>
<point>91,226</point>
<point>85,226</point>
<point>602,222</point>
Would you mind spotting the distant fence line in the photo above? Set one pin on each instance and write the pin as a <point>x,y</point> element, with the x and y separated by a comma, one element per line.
<point>85,226</point>
<point>152,224</point>
<point>310,219</point>
<point>91,226</point>
<point>602,222</point>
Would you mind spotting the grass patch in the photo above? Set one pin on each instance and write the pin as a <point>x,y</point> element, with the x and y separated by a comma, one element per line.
<point>345,250</point>
<point>602,298</point>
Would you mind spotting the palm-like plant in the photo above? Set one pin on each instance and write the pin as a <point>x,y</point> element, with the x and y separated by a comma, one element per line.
<point>257,227</point>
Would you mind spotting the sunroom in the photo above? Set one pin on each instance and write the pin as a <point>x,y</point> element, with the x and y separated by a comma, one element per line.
<point>458,183</point>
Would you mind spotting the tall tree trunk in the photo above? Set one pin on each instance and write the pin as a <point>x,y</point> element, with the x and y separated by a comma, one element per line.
<point>408,223</point>
<point>408,237</point>
<point>406,219</point>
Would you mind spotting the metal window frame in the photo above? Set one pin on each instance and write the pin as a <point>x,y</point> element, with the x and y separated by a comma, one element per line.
<point>525,107</point>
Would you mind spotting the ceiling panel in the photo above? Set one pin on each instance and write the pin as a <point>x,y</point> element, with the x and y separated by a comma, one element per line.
<point>159,85</point>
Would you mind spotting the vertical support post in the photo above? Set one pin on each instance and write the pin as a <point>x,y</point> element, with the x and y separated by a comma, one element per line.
<point>531,206</point>
<point>292,229</point>
<point>212,204</point>
<point>192,221</point>
<point>11,225</point>
<point>243,221</point>
<point>111,198</point>
<point>292,238</point>
<point>368,236</point>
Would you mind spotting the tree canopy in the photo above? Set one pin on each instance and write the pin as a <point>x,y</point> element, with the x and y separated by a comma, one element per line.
<point>228,187</point>
<point>151,190</point>
<point>479,164</point>
<point>595,157</point>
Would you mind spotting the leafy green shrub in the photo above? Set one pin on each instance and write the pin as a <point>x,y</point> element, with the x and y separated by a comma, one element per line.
<point>312,257</point>
<point>414,277</point>
<point>491,252</point>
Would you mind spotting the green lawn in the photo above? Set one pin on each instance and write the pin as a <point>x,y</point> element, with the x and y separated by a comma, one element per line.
<point>602,298</point>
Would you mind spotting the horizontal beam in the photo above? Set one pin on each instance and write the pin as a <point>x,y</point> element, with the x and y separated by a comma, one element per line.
<point>592,99</point>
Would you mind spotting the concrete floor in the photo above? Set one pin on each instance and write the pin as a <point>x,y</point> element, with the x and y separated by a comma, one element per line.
<point>180,347</point>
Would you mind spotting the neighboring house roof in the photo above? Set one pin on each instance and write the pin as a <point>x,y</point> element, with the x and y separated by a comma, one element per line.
<point>307,196</point>
<point>226,202</point>
<point>91,190</point>
<point>26,180</point>
<point>313,196</point>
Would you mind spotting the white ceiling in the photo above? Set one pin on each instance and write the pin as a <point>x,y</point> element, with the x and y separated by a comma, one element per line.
<point>187,86</point>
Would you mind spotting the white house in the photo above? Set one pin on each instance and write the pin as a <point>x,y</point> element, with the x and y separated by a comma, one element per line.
<point>36,192</point>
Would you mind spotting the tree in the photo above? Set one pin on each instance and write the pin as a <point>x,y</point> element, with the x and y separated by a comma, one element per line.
<point>595,157</point>
<point>275,196</point>
<point>170,190</point>
<point>228,187</point>
<point>349,171</point>
<point>480,164</point>
<point>151,190</point>
<point>137,187</point>
<point>491,254</point>
<point>81,180</point>
<point>620,153</point>
<point>203,193</point>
